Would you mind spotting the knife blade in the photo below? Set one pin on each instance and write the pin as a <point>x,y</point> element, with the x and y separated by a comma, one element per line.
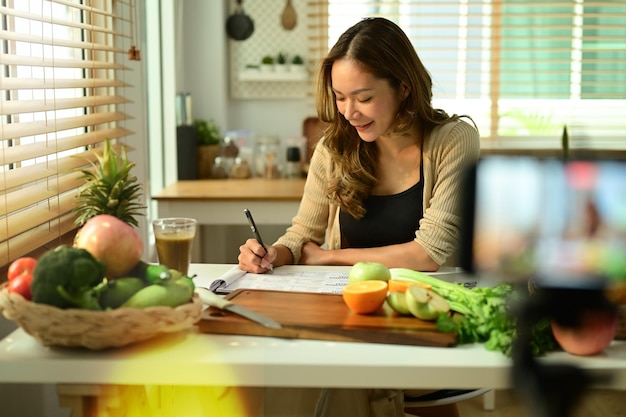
<point>211,299</point>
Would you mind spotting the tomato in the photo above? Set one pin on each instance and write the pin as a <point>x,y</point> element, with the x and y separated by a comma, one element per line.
<point>20,275</point>
<point>21,266</point>
<point>21,285</point>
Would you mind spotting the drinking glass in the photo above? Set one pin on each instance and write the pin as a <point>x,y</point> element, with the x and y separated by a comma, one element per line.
<point>174,241</point>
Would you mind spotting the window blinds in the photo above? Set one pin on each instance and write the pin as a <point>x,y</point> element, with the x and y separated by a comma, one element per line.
<point>62,65</point>
<point>520,68</point>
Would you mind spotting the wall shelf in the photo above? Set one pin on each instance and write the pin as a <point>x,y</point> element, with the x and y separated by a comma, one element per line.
<point>255,76</point>
<point>270,39</point>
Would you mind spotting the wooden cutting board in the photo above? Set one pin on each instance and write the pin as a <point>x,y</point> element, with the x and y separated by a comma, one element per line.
<point>321,317</point>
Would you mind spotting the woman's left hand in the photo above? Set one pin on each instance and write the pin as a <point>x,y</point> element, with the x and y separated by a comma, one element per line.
<point>313,254</point>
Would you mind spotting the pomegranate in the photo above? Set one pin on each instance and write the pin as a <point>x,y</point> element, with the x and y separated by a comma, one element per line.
<point>112,241</point>
<point>594,333</point>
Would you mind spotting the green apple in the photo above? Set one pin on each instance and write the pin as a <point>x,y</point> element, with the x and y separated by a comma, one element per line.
<point>397,302</point>
<point>365,271</point>
<point>425,304</point>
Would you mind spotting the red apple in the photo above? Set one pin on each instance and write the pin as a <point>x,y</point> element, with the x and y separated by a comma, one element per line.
<point>112,241</point>
<point>593,334</point>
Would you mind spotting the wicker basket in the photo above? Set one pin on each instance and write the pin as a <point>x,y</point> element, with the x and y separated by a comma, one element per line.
<point>53,326</point>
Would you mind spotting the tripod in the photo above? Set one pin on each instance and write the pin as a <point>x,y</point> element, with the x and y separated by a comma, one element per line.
<point>552,390</point>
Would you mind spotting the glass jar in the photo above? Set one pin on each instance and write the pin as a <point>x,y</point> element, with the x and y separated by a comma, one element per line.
<point>241,169</point>
<point>229,152</point>
<point>219,171</point>
<point>267,159</point>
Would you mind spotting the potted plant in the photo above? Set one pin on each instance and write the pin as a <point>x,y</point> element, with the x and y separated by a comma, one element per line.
<point>267,63</point>
<point>252,67</point>
<point>209,137</point>
<point>297,64</point>
<point>281,61</point>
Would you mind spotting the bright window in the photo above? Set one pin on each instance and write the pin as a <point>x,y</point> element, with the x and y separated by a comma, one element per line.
<point>521,68</point>
<point>62,64</point>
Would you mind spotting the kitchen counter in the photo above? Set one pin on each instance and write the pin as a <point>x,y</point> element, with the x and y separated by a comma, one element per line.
<point>234,190</point>
<point>221,202</point>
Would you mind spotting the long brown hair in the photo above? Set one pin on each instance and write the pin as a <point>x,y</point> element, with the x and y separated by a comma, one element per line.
<point>382,49</point>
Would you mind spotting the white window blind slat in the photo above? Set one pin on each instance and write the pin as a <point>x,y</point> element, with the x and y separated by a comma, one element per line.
<point>31,106</point>
<point>92,7</point>
<point>25,197</point>
<point>28,106</point>
<point>32,173</point>
<point>15,154</point>
<point>36,237</point>
<point>37,215</point>
<point>49,61</point>
<point>42,41</point>
<point>38,83</point>
<point>44,19</point>
<point>48,167</point>
<point>40,127</point>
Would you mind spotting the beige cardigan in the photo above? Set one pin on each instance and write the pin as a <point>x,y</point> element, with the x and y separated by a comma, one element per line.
<point>447,152</point>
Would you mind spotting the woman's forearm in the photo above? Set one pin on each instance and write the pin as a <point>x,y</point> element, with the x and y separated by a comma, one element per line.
<point>406,255</point>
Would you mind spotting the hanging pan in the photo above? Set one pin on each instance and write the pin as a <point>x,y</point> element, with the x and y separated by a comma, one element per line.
<point>239,26</point>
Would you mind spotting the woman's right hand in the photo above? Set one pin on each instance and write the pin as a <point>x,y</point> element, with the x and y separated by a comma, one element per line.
<point>255,258</point>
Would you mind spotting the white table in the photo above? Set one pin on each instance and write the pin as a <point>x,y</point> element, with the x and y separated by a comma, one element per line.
<point>194,359</point>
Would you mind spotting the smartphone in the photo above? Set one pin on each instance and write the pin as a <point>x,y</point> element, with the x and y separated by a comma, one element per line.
<point>560,223</point>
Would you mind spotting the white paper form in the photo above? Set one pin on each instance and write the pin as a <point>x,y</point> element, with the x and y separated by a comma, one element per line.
<point>326,282</point>
<point>309,279</point>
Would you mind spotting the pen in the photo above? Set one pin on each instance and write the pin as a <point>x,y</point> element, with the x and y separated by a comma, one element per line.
<point>254,229</point>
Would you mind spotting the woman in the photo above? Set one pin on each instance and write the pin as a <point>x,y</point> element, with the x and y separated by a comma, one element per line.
<point>384,182</point>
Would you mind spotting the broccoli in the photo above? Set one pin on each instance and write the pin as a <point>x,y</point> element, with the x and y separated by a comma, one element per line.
<point>68,277</point>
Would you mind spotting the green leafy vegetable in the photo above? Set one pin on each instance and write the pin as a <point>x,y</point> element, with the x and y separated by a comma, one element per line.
<point>485,315</point>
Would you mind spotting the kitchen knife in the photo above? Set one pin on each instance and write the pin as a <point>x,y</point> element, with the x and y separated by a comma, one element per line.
<point>214,300</point>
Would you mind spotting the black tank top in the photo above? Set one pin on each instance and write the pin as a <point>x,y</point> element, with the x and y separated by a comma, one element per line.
<point>388,220</point>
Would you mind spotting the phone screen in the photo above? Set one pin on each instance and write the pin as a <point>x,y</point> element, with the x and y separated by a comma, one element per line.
<point>561,223</point>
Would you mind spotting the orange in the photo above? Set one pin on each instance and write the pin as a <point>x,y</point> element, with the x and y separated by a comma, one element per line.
<point>365,297</point>
<point>401,285</point>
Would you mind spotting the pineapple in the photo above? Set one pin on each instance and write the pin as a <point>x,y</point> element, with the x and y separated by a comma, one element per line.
<point>110,189</point>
